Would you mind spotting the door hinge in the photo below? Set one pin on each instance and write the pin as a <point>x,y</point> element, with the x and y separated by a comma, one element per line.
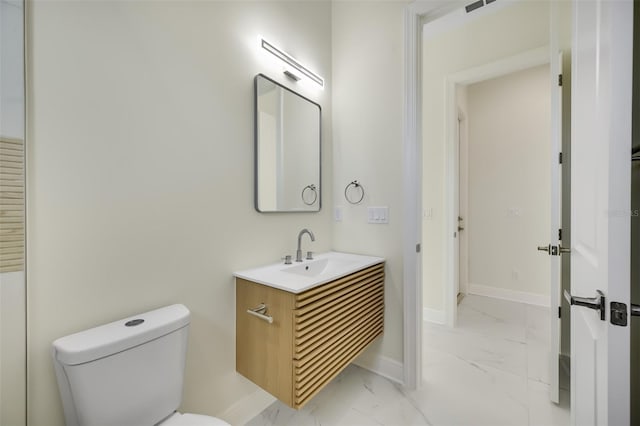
<point>418,248</point>
<point>560,158</point>
<point>559,79</point>
<point>559,311</point>
<point>560,234</point>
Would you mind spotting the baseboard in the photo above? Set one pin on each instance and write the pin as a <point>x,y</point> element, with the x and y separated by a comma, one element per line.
<point>433,315</point>
<point>242,411</point>
<point>512,295</point>
<point>382,366</point>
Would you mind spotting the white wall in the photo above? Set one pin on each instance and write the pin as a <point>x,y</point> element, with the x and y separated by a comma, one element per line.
<point>509,184</point>
<point>367,136</point>
<point>507,32</point>
<point>140,185</point>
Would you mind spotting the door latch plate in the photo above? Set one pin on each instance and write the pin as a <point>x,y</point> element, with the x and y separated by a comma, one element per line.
<point>619,314</point>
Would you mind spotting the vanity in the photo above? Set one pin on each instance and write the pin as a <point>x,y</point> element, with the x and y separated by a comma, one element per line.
<point>299,325</point>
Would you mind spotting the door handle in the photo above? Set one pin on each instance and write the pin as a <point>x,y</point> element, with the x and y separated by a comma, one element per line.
<point>597,303</point>
<point>554,250</point>
<point>545,248</point>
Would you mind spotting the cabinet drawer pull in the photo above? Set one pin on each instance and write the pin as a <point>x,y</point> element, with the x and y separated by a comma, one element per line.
<point>260,312</point>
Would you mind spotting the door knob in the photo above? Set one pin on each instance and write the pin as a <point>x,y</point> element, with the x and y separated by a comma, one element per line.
<point>554,250</point>
<point>596,303</point>
<point>545,248</point>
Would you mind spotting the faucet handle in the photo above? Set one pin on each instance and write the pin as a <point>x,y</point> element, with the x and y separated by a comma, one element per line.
<point>309,255</point>
<point>287,259</point>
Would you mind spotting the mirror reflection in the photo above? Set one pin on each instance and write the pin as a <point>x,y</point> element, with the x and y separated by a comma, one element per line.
<point>287,132</point>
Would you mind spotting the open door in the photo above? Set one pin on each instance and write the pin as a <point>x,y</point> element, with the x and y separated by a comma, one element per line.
<point>600,211</point>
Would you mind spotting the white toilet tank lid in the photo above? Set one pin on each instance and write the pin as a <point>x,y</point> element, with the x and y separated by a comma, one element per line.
<point>121,335</point>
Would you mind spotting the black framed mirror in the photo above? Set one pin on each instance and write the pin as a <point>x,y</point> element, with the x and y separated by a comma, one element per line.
<point>287,149</point>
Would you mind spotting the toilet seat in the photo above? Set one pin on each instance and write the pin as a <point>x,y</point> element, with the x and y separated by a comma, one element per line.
<point>188,419</point>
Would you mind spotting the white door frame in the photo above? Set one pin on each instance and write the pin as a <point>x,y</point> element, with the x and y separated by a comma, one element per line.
<point>416,15</point>
<point>519,62</point>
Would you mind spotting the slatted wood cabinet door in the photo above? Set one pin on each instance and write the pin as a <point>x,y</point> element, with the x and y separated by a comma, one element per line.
<point>313,335</point>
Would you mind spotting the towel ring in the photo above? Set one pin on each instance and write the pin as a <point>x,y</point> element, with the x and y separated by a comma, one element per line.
<point>313,189</point>
<point>356,185</point>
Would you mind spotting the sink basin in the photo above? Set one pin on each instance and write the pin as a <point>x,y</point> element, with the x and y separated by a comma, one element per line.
<point>310,269</point>
<point>307,274</point>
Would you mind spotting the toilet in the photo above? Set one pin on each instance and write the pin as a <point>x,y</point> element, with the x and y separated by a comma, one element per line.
<point>127,373</point>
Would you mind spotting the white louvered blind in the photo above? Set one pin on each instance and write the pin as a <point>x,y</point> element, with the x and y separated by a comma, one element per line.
<point>11,205</point>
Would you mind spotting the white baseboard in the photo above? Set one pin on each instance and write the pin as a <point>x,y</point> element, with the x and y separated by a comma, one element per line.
<point>242,411</point>
<point>433,315</point>
<point>382,366</point>
<point>512,295</point>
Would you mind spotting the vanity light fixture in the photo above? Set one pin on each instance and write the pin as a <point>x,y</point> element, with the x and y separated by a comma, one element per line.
<point>292,62</point>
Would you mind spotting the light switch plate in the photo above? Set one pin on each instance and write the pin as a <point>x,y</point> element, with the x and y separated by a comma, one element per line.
<point>378,214</point>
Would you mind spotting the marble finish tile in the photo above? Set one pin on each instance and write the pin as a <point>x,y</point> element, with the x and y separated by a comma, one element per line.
<point>492,369</point>
<point>355,397</point>
<point>483,350</point>
<point>460,392</point>
<point>544,413</point>
<point>492,317</point>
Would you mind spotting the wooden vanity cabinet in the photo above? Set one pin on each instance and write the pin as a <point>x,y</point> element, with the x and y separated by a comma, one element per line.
<point>313,335</point>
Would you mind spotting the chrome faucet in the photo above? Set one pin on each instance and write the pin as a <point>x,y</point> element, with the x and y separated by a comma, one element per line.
<point>299,251</point>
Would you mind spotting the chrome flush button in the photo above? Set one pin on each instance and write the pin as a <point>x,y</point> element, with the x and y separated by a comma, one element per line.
<point>134,322</point>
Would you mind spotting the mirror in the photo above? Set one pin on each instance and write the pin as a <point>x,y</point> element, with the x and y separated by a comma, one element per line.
<point>287,140</point>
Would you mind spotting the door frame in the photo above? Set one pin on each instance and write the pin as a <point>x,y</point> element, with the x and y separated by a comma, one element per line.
<point>527,59</point>
<point>416,14</point>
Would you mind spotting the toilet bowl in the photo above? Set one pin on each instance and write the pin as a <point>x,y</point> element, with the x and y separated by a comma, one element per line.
<point>128,372</point>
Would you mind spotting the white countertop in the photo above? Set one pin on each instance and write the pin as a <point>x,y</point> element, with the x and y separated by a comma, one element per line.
<point>302,276</point>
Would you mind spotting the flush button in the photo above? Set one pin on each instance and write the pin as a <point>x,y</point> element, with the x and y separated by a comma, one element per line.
<point>134,322</point>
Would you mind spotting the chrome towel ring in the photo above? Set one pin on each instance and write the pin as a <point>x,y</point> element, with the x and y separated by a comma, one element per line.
<point>308,195</point>
<point>354,186</point>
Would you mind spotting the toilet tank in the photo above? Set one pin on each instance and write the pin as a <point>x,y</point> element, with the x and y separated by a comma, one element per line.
<point>128,372</point>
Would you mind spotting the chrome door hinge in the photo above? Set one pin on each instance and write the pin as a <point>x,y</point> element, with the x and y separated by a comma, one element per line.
<point>418,248</point>
<point>559,79</point>
<point>560,158</point>
<point>559,311</point>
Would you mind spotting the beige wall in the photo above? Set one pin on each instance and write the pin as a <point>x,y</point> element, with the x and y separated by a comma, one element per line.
<point>509,181</point>
<point>512,30</point>
<point>367,137</point>
<point>140,185</point>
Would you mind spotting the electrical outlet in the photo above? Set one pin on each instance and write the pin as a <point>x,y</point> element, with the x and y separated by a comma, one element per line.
<point>337,214</point>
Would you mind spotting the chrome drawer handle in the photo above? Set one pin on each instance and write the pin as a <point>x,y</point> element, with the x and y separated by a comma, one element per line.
<point>260,312</point>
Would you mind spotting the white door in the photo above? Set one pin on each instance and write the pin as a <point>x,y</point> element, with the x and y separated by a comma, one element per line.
<point>600,207</point>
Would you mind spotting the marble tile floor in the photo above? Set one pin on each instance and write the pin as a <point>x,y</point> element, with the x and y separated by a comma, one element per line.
<point>489,370</point>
